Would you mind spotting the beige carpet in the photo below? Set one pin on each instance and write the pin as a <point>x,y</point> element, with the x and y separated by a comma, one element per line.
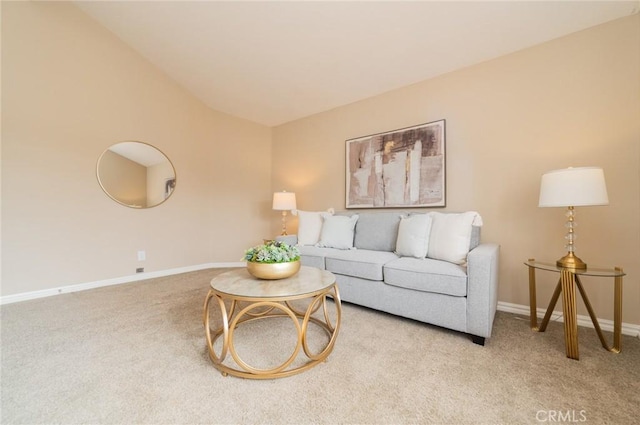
<point>136,353</point>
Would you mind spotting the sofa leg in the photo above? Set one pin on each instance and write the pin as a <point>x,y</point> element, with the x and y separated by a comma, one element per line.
<point>477,340</point>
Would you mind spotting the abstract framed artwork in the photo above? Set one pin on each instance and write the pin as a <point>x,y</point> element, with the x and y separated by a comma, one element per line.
<point>397,169</point>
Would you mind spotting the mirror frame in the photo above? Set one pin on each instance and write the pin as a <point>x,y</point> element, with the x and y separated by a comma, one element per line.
<point>175,175</point>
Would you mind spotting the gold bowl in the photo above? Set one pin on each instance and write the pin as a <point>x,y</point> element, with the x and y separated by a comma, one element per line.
<point>273,271</point>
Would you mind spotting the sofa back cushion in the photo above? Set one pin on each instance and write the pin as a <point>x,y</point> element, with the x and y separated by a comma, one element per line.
<point>475,237</point>
<point>377,231</point>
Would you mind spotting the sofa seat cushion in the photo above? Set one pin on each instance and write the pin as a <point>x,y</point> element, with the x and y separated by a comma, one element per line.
<point>427,275</point>
<point>361,263</point>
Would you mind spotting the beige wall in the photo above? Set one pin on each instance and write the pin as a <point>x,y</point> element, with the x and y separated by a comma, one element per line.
<point>574,101</point>
<point>70,89</point>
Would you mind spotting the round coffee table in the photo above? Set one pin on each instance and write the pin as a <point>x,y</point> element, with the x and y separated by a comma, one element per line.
<point>241,298</point>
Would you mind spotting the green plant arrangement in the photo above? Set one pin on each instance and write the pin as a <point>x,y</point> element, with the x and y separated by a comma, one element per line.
<point>272,252</point>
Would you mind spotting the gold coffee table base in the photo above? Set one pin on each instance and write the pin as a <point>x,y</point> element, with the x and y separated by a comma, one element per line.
<point>242,309</point>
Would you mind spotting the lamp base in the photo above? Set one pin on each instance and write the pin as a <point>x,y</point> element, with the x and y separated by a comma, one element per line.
<point>570,261</point>
<point>284,224</point>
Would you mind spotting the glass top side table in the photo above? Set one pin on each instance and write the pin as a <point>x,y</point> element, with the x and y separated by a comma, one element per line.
<point>567,283</point>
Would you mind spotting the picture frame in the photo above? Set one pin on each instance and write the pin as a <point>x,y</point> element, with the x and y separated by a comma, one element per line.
<point>403,168</point>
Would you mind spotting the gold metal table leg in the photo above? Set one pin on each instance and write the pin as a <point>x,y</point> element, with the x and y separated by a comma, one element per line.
<point>592,314</point>
<point>570,314</point>
<point>552,305</point>
<point>617,312</point>
<point>533,312</point>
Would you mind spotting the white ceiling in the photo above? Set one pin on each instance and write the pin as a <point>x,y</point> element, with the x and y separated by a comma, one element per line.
<point>274,62</point>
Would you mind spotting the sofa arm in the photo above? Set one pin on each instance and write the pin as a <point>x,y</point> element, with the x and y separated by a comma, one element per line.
<point>482,289</point>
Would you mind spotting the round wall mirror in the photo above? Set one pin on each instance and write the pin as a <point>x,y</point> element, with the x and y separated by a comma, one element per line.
<point>136,174</point>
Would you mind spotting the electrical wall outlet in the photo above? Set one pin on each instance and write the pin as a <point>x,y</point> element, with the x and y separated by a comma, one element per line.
<point>142,255</point>
<point>140,270</point>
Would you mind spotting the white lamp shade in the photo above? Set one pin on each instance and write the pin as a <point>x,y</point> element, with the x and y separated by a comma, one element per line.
<point>283,201</point>
<point>573,187</point>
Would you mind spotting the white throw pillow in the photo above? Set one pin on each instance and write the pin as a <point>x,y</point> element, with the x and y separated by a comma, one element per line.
<point>337,231</point>
<point>413,236</point>
<point>450,236</point>
<point>309,226</point>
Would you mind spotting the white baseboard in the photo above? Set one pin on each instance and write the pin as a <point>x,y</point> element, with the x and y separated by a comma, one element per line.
<point>8,299</point>
<point>605,325</point>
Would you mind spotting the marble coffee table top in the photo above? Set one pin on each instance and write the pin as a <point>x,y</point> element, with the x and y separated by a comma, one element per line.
<point>240,283</point>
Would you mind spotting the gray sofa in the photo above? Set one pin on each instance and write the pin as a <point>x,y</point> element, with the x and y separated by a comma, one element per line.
<point>461,297</point>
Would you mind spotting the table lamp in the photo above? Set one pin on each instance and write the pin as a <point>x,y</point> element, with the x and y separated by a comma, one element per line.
<point>573,187</point>
<point>284,201</point>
